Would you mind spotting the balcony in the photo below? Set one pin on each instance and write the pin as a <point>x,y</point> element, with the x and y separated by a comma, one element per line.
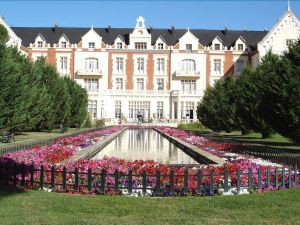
<point>85,72</point>
<point>187,74</point>
<point>176,93</point>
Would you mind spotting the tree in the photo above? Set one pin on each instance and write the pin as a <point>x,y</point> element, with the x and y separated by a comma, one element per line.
<point>3,34</point>
<point>217,110</point>
<point>247,97</point>
<point>78,102</point>
<point>280,92</point>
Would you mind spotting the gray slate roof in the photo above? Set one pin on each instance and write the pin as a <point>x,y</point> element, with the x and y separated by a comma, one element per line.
<point>52,35</point>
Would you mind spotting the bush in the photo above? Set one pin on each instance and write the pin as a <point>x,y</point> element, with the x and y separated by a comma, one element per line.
<point>99,123</point>
<point>88,123</point>
<point>191,126</point>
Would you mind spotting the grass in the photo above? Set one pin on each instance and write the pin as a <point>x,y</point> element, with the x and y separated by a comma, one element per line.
<point>35,207</point>
<point>26,137</point>
<point>191,126</point>
<point>276,140</point>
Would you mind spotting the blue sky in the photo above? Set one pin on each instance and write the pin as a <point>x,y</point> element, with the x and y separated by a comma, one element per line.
<point>251,15</point>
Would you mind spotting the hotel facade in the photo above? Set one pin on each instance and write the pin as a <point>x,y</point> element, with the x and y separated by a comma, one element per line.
<point>159,73</point>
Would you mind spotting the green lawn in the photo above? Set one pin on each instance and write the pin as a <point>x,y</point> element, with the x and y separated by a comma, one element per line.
<point>35,207</point>
<point>26,137</point>
<point>276,140</point>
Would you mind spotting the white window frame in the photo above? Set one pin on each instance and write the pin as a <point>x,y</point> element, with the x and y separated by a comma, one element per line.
<point>63,64</point>
<point>160,82</point>
<point>40,44</point>
<point>140,84</point>
<point>63,44</point>
<point>161,65</point>
<point>92,45</point>
<point>160,46</point>
<point>189,47</point>
<point>91,85</point>
<point>119,45</point>
<point>91,64</point>
<point>119,64</point>
<point>119,83</point>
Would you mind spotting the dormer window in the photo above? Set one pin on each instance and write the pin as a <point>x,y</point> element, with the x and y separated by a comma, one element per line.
<point>140,45</point>
<point>63,44</point>
<point>91,45</point>
<point>240,47</point>
<point>160,46</point>
<point>39,44</point>
<point>217,47</point>
<point>189,47</point>
<point>120,45</point>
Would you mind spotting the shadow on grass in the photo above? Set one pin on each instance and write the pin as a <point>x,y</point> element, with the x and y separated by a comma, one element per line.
<point>8,191</point>
<point>235,138</point>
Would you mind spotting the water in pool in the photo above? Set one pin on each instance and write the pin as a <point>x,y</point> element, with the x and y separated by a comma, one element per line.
<point>145,144</point>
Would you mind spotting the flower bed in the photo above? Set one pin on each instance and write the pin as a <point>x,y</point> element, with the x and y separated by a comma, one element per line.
<point>214,179</point>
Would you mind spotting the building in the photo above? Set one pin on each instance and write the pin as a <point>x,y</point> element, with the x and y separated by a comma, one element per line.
<point>158,73</point>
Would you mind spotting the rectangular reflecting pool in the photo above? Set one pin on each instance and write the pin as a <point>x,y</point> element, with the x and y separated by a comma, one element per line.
<point>145,144</point>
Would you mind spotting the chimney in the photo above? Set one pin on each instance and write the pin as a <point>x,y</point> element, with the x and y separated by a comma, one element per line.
<point>225,30</point>
<point>54,27</point>
<point>151,28</point>
<point>109,29</point>
<point>173,30</point>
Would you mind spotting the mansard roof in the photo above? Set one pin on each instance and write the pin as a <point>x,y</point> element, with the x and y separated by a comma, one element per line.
<point>52,35</point>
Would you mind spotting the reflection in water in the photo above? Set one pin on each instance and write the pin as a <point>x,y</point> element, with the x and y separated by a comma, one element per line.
<point>145,144</point>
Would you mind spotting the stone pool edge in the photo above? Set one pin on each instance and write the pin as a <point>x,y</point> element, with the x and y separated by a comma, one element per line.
<point>200,154</point>
<point>91,151</point>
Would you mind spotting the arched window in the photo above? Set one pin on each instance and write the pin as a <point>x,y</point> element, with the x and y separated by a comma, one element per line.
<point>91,64</point>
<point>187,66</point>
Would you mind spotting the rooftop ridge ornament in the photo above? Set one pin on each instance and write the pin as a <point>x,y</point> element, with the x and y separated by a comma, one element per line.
<point>289,6</point>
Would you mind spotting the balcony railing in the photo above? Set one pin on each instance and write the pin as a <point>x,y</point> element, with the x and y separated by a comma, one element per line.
<point>137,92</point>
<point>89,72</point>
<point>186,92</point>
<point>184,73</point>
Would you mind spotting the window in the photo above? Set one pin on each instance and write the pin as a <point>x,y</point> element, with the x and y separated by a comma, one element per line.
<point>160,46</point>
<point>239,66</point>
<point>117,109</point>
<point>139,108</point>
<point>187,110</point>
<point>217,66</point>
<point>91,44</point>
<point>63,44</point>
<point>189,47</point>
<point>102,109</point>
<point>91,85</point>
<point>187,66</point>
<point>64,64</point>
<point>119,64</point>
<point>161,65</point>
<point>240,47</point>
<point>140,84</point>
<point>120,45</point>
<point>188,85</point>
<point>92,107</point>
<point>289,42</point>
<point>160,84</point>
<point>39,44</point>
<point>140,65</point>
<point>217,47</point>
<point>160,110</point>
<point>91,64</point>
<point>140,45</point>
<point>119,83</point>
